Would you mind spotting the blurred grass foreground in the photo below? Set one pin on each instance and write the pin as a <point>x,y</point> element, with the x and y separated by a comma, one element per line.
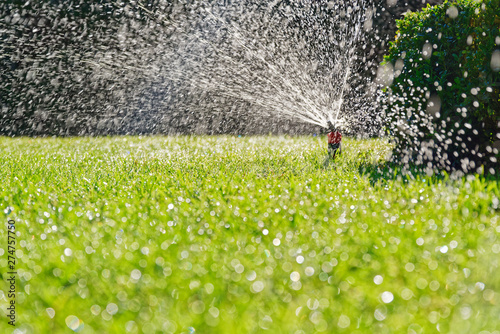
<point>243,235</point>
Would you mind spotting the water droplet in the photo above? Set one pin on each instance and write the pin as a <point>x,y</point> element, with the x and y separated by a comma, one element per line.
<point>378,279</point>
<point>344,321</point>
<point>257,286</point>
<point>95,309</point>
<point>295,276</point>
<point>198,307</point>
<point>452,12</point>
<point>51,312</point>
<point>112,308</point>
<point>387,297</point>
<point>495,61</point>
<point>74,323</point>
<point>380,313</point>
<point>135,274</point>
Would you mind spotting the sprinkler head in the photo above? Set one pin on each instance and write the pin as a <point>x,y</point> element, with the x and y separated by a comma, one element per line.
<point>331,127</point>
<point>336,126</point>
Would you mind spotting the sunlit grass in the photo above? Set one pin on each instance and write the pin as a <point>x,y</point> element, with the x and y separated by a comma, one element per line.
<point>237,235</point>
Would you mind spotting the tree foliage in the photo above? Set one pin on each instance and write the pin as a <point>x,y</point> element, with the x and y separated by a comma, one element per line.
<point>443,99</point>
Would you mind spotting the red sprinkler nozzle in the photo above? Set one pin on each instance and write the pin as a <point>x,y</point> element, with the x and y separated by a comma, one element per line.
<point>334,142</point>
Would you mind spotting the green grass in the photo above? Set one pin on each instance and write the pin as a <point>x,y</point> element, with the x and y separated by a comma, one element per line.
<point>239,235</point>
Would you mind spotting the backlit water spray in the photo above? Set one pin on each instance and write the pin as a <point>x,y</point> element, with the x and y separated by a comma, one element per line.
<point>161,67</point>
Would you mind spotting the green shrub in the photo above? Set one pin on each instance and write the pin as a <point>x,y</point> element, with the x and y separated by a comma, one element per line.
<point>442,94</point>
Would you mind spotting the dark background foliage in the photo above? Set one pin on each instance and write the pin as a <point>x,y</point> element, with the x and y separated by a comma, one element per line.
<point>48,88</point>
<point>444,104</point>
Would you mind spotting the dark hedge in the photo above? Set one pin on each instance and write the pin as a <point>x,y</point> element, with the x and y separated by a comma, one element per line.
<point>443,104</point>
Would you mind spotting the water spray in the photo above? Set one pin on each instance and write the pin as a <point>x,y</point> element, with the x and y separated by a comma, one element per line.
<point>334,125</point>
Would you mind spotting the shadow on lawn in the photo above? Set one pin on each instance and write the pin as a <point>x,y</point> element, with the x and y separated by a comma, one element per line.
<point>386,170</point>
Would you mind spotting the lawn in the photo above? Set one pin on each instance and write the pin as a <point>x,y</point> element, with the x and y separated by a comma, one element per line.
<point>243,235</point>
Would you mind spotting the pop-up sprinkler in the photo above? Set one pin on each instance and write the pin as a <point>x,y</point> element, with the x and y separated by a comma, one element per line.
<point>334,140</point>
